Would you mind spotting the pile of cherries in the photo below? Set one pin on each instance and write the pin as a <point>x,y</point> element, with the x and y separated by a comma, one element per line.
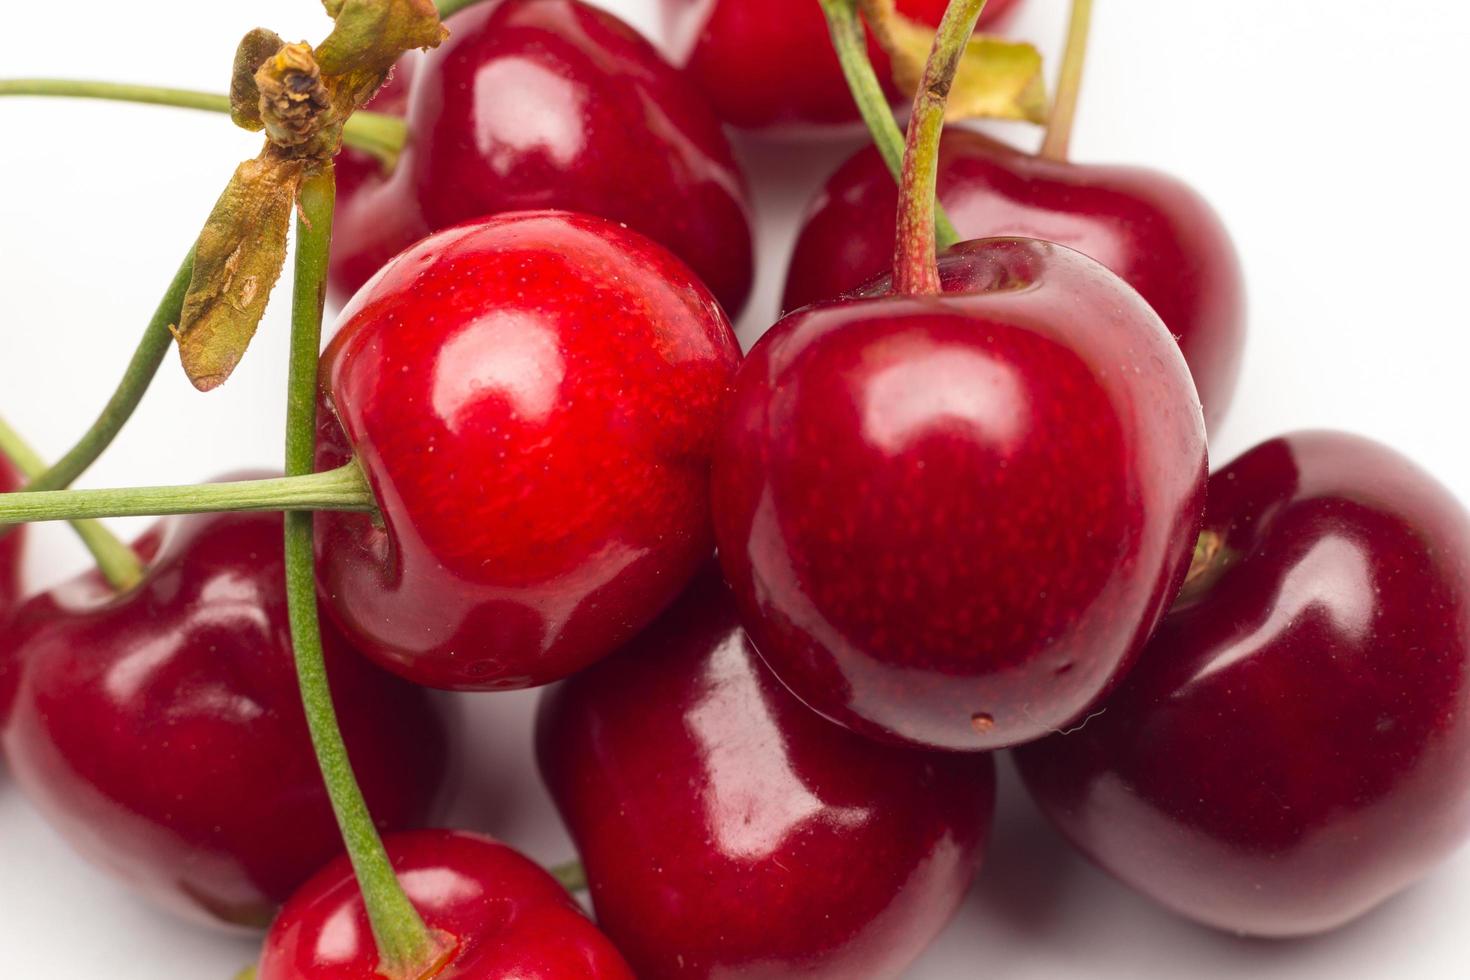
<point>794,597</point>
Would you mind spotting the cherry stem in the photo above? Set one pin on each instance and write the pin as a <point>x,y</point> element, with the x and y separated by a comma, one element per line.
<point>1058,140</point>
<point>448,8</point>
<point>117,562</point>
<point>571,875</point>
<point>406,948</point>
<point>850,42</point>
<point>375,133</point>
<point>915,272</point>
<point>344,488</point>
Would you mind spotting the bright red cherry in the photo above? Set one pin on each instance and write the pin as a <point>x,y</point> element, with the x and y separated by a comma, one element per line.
<point>534,399</point>
<point>1149,228</point>
<point>161,730</point>
<point>555,104</point>
<point>954,520</point>
<point>1293,746</point>
<point>769,64</point>
<point>727,831</point>
<point>505,915</point>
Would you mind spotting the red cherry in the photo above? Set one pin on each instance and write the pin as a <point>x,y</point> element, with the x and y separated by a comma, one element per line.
<point>954,520</point>
<point>161,730</point>
<point>1153,230</point>
<point>1294,745</point>
<point>505,915</point>
<point>727,831</point>
<point>769,64</point>
<point>356,169</point>
<point>555,104</point>
<point>534,399</point>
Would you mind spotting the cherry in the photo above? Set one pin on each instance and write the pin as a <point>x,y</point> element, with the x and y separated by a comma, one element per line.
<point>506,916</point>
<point>555,104</point>
<point>161,730</point>
<point>769,64</point>
<point>954,520</point>
<point>533,398</point>
<point>356,170</point>
<point>727,831</point>
<point>1294,744</point>
<point>1153,230</point>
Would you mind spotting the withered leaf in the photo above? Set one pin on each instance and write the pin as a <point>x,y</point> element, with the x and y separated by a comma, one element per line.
<point>254,49</point>
<point>370,35</point>
<point>293,99</point>
<point>238,260</point>
<point>997,78</point>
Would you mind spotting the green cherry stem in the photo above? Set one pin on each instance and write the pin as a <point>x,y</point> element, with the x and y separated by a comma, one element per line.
<point>915,271</point>
<point>850,41</point>
<point>406,947</point>
<point>381,135</point>
<point>117,562</point>
<point>571,875</point>
<point>1058,140</point>
<point>344,488</point>
<point>448,8</point>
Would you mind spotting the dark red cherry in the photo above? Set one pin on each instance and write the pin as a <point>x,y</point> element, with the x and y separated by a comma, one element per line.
<point>954,520</point>
<point>505,916</point>
<point>1149,228</point>
<point>555,104</point>
<point>161,730</point>
<point>1293,746</point>
<point>769,64</point>
<point>534,399</point>
<point>728,831</point>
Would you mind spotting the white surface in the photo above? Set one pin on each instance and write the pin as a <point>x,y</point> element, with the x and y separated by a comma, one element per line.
<point>1331,135</point>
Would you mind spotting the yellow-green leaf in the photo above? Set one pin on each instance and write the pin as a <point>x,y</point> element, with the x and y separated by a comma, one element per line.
<point>370,35</point>
<point>238,260</point>
<point>997,78</point>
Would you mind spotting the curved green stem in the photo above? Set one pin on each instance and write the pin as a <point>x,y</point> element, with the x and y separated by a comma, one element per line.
<point>406,948</point>
<point>571,875</point>
<point>448,8</point>
<point>117,562</point>
<point>1058,140</point>
<point>914,262</point>
<point>129,392</point>
<point>850,41</point>
<point>344,488</point>
<point>376,133</point>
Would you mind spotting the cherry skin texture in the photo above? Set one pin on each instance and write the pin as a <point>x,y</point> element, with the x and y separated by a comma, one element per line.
<point>555,104</point>
<point>769,64</point>
<point>728,831</point>
<point>161,731</point>
<point>1293,746</point>
<point>954,520</point>
<point>506,916</point>
<point>1149,228</point>
<point>534,399</point>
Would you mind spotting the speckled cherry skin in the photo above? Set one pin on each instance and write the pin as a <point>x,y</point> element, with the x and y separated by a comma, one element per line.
<point>161,732</point>
<point>1151,229</point>
<point>509,918</point>
<point>556,104</point>
<point>534,399</point>
<point>1293,746</point>
<point>769,64</point>
<point>729,832</point>
<point>954,520</point>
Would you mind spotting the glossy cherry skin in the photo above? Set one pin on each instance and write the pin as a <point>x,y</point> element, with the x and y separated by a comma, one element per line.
<point>954,520</point>
<point>161,731</point>
<point>1151,229</point>
<point>1293,746</point>
<point>534,398</point>
<point>728,831</point>
<point>769,64</point>
<point>506,916</point>
<point>556,104</point>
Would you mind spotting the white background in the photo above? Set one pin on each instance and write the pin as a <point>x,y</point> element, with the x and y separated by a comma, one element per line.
<point>1330,134</point>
